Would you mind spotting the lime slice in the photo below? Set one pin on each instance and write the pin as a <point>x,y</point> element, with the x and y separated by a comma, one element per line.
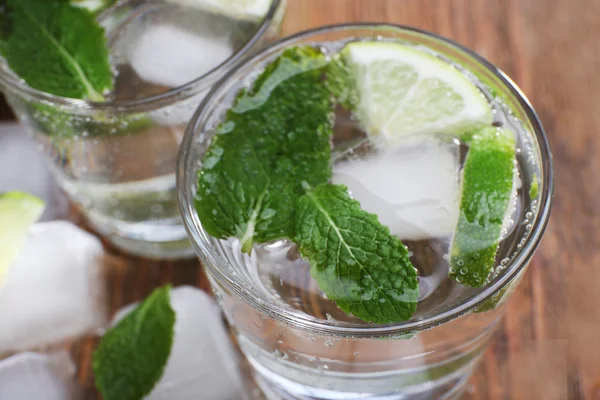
<point>404,90</point>
<point>251,10</point>
<point>487,187</point>
<point>18,211</point>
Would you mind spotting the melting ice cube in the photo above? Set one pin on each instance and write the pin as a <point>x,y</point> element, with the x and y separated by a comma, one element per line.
<point>202,363</point>
<point>169,56</point>
<point>19,153</point>
<point>54,289</point>
<point>413,188</point>
<point>32,376</point>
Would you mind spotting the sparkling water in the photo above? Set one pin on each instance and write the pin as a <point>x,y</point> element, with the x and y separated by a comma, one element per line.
<point>414,188</point>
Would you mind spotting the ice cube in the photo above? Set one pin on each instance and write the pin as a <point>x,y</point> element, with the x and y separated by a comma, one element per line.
<point>169,56</point>
<point>413,188</point>
<point>33,376</point>
<point>54,289</point>
<point>18,152</point>
<point>202,363</point>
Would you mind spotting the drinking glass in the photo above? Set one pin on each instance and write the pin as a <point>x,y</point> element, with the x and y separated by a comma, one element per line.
<point>302,350</point>
<point>116,159</point>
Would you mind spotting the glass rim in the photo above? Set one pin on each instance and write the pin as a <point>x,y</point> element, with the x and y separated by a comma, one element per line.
<point>518,262</point>
<point>15,85</point>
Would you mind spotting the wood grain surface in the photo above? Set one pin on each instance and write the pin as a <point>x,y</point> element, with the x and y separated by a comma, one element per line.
<point>548,345</point>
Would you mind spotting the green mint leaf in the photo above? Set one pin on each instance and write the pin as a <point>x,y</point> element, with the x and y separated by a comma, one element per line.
<point>354,258</point>
<point>341,82</point>
<point>56,47</point>
<point>272,142</point>
<point>486,189</point>
<point>133,354</point>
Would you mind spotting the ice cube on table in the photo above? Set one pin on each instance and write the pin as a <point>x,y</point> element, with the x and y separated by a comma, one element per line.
<point>54,290</point>
<point>202,363</point>
<point>23,167</point>
<point>33,376</point>
<point>169,56</point>
<point>413,188</point>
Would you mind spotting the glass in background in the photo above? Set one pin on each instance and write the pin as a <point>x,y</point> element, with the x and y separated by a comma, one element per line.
<point>116,160</point>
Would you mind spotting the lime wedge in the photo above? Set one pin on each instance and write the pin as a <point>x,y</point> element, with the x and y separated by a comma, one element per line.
<point>487,186</point>
<point>250,10</point>
<point>404,90</point>
<point>18,211</point>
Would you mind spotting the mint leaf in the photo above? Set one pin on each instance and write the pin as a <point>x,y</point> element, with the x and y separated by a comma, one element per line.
<point>341,82</point>
<point>132,355</point>
<point>274,140</point>
<point>56,47</point>
<point>486,189</point>
<point>354,258</point>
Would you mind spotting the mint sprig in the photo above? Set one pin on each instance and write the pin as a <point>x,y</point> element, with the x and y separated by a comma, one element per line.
<point>133,354</point>
<point>274,140</point>
<point>56,47</point>
<point>265,177</point>
<point>354,258</point>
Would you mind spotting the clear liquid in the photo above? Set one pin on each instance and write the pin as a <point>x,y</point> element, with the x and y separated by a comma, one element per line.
<point>295,363</point>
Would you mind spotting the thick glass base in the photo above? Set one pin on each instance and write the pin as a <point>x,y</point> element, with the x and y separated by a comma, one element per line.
<point>160,240</point>
<point>450,387</point>
<point>174,250</point>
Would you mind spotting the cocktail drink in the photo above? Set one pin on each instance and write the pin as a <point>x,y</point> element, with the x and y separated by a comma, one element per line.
<point>364,198</point>
<point>111,127</point>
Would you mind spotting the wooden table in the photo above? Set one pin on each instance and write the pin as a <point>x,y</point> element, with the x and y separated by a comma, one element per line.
<point>548,345</point>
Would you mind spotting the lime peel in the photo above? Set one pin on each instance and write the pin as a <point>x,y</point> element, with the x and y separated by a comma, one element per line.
<point>18,211</point>
<point>487,187</point>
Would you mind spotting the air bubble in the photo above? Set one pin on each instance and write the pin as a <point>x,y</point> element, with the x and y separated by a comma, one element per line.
<point>463,271</point>
<point>460,263</point>
<point>504,262</point>
<point>528,227</point>
<point>356,353</point>
<point>328,343</point>
<point>459,279</point>
<point>529,214</point>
